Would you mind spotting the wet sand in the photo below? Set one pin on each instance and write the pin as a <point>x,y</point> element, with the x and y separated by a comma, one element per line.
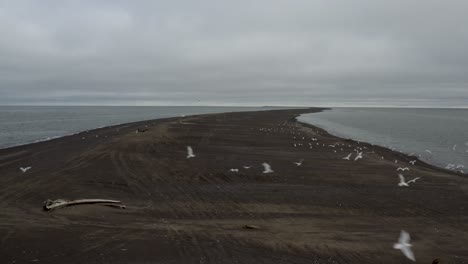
<point>180,210</point>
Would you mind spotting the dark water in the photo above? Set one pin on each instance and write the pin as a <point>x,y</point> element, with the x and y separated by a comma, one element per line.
<point>26,124</point>
<point>443,132</point>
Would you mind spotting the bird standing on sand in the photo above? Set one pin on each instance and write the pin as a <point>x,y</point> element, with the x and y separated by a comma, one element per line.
<point>299,163</point>
<point>25,169</point>
<point>267,168</point>
<point>404,245</point>
<point>190,152</point>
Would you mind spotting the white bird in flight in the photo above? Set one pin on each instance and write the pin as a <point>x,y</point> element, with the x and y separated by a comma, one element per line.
<point>299,163</point>
<point>406,183</point>
<point>348,157</point>
<point>412,162</point>
<point>234,170</point>
<point>246,167</point>
<point>428,151</point>
<point>25,169</point>
<point>359,156</point>
<point>450,166</point>
<point>402,169</point>
<point>190,152</point>
<point>404,245</point>
<point>267,168</point>
<point>454,148</point>
<point>402,181</point>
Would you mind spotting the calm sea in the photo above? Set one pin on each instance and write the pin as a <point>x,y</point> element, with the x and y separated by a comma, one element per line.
<point>439,136</point>
<point>27,124</point>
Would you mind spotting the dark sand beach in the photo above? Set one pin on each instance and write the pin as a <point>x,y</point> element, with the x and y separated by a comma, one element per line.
<point>180,210</point>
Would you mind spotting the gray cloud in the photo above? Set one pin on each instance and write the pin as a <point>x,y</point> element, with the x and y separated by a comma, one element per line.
<point>261,52</point>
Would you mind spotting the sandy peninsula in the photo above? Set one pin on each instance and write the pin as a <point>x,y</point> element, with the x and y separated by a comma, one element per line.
<point>219,207</point>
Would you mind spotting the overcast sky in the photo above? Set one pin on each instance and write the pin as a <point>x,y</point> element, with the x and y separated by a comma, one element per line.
<point>243,52</point>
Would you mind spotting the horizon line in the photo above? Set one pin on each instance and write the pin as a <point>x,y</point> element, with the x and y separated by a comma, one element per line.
<point>239,106</point>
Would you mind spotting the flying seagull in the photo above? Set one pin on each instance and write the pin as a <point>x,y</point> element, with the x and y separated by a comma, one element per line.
<point>234,170</point>
<point>246,167</point>
<point>299,163</point>
<point>267,168</point>
<point>25,169</point>
<point>428,151</point>
<point>454,148</point>
<point>348,157</point>
<point>359,156</point>
<point>404,245</point>
<point>402,169</point>
<point>412,162</point>
<point>190,152</point>
<point>402,181</point>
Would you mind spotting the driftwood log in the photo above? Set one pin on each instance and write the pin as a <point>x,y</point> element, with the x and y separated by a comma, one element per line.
<point>50,205</point>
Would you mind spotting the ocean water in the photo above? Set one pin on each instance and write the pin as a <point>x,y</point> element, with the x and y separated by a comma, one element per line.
<point>27,124</point>
<point>437,136</point>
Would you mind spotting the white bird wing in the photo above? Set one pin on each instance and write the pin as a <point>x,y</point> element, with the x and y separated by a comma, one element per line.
<point>408,253</point>
<point>404,237</point>
<point>402,178</point>
<point>414,180</point>
<point>267,167</point>
<point>189,150</point>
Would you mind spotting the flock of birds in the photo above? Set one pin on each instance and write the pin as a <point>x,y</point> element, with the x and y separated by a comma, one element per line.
<point>403,243</point>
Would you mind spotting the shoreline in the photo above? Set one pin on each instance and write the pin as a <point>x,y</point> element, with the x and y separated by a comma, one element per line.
<point>267,108</point>
<point>436,161</point>
<point>180,210</point>
<point>406,155</point>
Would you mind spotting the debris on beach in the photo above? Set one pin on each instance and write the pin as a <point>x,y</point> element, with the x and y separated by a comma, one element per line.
<point>50,205</point>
